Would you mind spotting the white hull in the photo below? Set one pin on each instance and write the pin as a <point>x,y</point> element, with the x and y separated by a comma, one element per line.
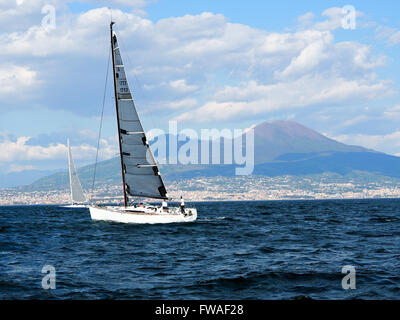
<point>148,214</point>
<point>75,206</point>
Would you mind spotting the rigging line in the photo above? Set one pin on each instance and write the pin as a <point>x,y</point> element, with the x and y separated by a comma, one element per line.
<point>101,125</point>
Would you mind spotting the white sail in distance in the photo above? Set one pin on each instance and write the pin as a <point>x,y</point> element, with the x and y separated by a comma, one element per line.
<point>77,193</point>
<point>139,169</point>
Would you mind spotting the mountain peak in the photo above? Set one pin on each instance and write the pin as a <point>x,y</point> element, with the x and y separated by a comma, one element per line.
<point>278,128</point>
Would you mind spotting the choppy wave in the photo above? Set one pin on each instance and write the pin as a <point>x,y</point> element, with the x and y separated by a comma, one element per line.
<point>238,250</point>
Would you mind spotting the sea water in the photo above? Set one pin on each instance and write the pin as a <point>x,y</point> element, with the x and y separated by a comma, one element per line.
<point>235,250</point>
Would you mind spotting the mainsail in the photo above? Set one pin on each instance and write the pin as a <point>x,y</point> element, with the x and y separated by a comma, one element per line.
<point>140,173</point>
<point>77,193</point>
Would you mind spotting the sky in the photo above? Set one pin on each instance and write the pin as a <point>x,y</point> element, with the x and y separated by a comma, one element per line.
<point>206,64</point>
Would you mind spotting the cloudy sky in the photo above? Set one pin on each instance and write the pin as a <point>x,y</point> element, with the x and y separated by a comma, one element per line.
<point>208,64</point>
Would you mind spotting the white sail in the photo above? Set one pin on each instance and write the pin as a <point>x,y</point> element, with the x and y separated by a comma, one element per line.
<point>77,193</point>
<point>140,172</point>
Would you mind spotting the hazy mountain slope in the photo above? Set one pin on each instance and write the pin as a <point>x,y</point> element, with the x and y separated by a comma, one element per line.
<point>281,147</point>
<point>107,171</point>
<point>13,179</point>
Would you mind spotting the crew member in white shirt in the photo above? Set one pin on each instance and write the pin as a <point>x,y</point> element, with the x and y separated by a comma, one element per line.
<point>164,206</point>
<point>182,205</point>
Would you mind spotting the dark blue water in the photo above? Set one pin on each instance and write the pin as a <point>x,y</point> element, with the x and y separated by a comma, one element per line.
<point>236,250</point>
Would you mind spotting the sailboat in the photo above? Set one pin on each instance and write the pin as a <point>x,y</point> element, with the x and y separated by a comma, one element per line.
<point>78,198</point>
<point>140,175</point>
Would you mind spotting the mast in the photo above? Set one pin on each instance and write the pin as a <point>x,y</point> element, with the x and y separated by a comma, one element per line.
<point>70,172</point>
<point>117,110</point>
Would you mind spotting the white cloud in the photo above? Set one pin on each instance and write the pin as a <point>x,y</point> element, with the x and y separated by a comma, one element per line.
<point>308,58</point>
<point>333,22</point>
<point>306,20</point>
<point>181,86</point>
<point>183,46</point>
<point>394,38</point>
<point>275,71</point>
<point>388,143</point>
<point>391,35</point>
<point>15,78</point>
<point>355,120</point>
<point>37,41</point>
<point>392,113</point>
<point>21,14</point>
<point>182,104</point>
<point>252,99</point>
<point>19,150</point>
<point>125,3</point>
<point>334,19</point>
<point>18,168</point>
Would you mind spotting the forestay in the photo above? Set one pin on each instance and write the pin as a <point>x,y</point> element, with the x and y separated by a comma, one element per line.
<point>141,175</point>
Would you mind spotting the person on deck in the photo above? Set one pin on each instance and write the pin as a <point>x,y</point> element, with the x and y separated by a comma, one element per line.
<point>182,205</point>
<point>164,206</point>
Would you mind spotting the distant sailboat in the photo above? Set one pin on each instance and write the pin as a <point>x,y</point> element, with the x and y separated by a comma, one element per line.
<point>77,194</point>
<point>140,174</point>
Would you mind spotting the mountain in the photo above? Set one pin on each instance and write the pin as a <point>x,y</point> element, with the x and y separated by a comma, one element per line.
<point>106,172</point>
<point>281,148</point>
<point>275,139</point>
<point>14,179</point>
